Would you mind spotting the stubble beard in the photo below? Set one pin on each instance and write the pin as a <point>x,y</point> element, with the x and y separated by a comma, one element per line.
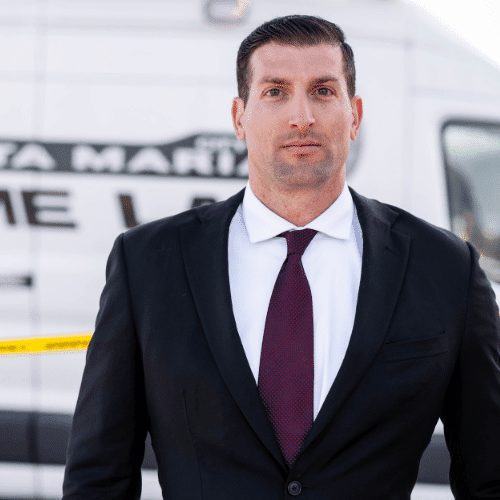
<point>304,174</point>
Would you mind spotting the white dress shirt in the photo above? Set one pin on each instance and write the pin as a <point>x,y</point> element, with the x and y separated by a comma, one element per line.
<point>332,263</point>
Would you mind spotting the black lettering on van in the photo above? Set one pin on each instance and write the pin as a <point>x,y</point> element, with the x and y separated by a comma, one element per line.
<point>128,210</point>
<point>6,203</point>
<point>207,155</point>
<point>32,156</point>
<point>109,159</point>
<point>45,215</point>
<point>193,161</point>
<point>149,160</point>
<point>6,149</point>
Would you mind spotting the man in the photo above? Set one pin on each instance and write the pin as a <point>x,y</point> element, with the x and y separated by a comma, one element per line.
<point>297,339</point>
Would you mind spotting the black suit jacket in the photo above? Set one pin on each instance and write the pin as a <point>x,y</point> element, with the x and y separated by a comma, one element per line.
<point>166,358</point>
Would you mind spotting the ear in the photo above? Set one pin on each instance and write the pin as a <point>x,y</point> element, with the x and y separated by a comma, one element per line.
<point>357,115</point>
<point>237,111</point>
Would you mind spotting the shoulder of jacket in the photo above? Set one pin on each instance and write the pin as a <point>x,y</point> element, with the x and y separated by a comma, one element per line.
<point>158,232</point>
<point>164,225</point>
<point>425,233</point>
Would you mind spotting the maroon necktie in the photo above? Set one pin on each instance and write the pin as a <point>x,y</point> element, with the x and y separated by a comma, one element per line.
<point>286,373</point>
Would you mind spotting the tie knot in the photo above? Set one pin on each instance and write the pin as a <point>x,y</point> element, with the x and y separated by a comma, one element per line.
<point>297,241</point>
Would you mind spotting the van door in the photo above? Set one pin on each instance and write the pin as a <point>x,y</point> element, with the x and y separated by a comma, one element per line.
<point>136,132</point>
<point>453,177</point>
<point>16,322</point>
<point>17,280</point>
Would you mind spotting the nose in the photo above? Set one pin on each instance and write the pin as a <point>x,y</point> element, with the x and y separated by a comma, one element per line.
<point>301,114</point>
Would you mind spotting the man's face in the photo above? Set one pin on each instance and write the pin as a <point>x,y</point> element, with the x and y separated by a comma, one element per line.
<point>299,120</point>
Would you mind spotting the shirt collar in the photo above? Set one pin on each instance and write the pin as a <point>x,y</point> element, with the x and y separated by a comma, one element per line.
<point>262,223</point>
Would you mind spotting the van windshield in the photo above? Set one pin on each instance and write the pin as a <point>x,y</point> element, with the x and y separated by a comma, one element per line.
<point>472,154</point>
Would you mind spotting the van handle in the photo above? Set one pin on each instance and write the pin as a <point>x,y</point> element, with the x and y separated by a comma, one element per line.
<point>226,11</point>
<point>16,280</point>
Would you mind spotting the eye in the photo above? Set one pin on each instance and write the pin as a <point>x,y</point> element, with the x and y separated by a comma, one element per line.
<point>274,92</point>
<point>324,91</point>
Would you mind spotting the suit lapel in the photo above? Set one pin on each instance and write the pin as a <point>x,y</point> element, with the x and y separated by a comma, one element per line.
<point>205,253</point>
<point>385,255</point>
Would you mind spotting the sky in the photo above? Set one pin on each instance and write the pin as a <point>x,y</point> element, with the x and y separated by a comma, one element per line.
<point>475,21</point>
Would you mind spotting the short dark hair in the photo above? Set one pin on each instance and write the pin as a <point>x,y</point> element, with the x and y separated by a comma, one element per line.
<point>298,30</point>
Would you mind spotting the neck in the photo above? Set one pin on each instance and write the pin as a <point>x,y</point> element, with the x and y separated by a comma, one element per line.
<point>299,206</point>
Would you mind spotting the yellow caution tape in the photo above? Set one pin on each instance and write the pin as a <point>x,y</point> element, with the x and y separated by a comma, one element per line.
<point>37,345</point>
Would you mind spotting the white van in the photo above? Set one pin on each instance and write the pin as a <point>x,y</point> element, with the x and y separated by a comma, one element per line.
<point>117,112</point>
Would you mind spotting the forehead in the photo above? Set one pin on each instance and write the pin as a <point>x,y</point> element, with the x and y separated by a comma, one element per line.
<point>292,62</point>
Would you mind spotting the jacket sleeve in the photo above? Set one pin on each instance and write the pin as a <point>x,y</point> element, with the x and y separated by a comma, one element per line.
<point>106,445</point>
<point>471,414</point>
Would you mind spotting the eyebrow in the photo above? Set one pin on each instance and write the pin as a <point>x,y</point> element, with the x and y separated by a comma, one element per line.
<point>284,81</point>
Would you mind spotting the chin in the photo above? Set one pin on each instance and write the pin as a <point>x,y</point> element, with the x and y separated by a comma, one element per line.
<point>305,176</point>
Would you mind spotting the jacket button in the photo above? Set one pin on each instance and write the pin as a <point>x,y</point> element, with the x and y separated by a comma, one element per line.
<point>294,488</point>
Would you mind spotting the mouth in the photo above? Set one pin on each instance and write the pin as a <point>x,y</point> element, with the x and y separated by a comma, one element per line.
<point>302,145</point>
<point>302,148</point>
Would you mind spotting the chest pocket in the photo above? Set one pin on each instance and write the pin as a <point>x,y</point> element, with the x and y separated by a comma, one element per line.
<point>411,349</point>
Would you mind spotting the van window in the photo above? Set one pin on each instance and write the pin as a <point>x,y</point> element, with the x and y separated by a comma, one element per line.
<point>472,157</point>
